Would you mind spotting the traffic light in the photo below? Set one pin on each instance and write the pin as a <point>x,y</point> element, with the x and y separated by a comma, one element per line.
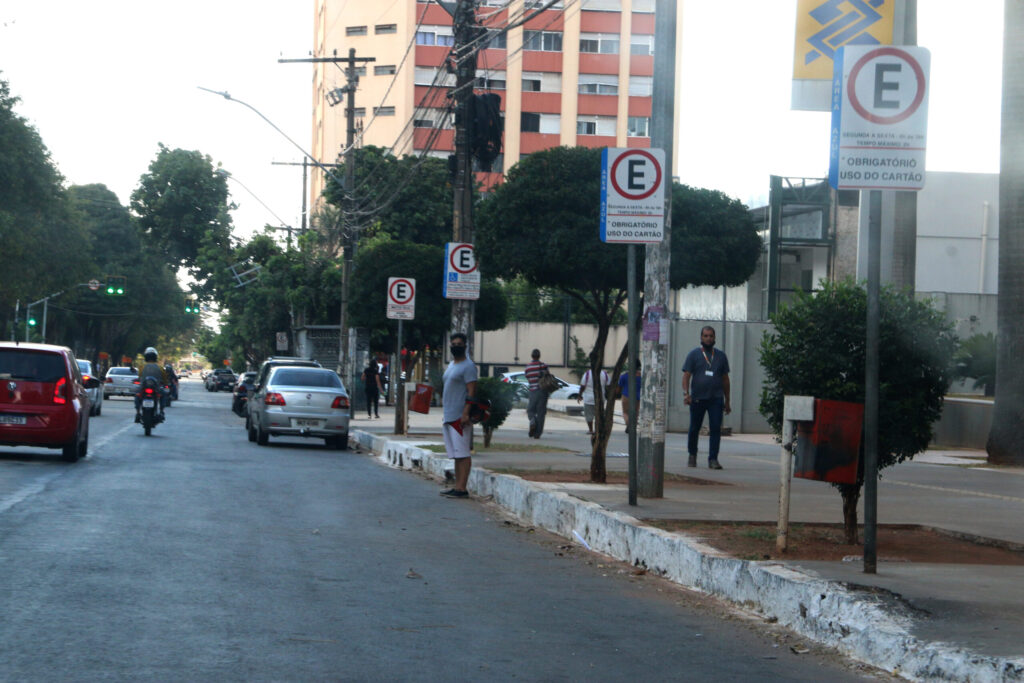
<point>116,285</point>
<point>192,307</point>
<point>31,322</point>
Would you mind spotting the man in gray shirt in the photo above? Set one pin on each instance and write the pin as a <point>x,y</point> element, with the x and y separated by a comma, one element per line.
<point>459,388</point>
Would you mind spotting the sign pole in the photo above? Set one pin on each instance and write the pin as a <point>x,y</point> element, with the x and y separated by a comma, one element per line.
<point>871,381</point>
<point>631,364</point>
<point>400,389</point>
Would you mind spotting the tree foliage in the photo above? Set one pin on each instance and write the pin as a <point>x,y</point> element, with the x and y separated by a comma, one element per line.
<point>976,359</point>
<point>817,348</point>
<point>502,396</point>
<point>542,225</point>
<point>181,203</point>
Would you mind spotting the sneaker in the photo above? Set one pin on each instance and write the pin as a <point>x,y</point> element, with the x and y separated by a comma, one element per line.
<point>138,418</point>
<point>533,430</point>
<point>713,464</point>
<point>455,493</point>
<point>692,461</point>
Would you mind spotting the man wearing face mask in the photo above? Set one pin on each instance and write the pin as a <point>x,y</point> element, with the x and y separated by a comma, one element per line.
<point>459,388</point>
<point>706,373</point>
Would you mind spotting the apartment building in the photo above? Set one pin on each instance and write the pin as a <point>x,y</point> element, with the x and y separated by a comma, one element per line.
<point>579,73</point>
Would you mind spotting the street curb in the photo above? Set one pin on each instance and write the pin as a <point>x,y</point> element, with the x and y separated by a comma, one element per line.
<point>872,628</point>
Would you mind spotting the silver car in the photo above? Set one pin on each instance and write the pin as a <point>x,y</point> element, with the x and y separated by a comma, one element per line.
<point>300,401</point>
<point>120,382</point>
<point>95,393</point>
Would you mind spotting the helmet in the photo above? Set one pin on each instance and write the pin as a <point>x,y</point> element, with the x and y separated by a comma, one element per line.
<point>150,353</point>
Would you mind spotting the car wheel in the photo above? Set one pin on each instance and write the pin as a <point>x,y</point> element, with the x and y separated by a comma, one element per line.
<point>250,429</point>
<point>71,451</point>
<point>261,436</point>
<point>99,409</point>
<point>341,442</point>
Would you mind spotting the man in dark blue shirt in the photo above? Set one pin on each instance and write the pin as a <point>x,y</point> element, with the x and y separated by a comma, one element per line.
<point>706,390</point>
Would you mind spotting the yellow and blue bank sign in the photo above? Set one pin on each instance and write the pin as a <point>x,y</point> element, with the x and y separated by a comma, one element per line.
<point>824,26</point>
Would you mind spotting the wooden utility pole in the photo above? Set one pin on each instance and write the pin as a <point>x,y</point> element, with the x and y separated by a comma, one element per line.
<point>653,409</point>
<point>465,53</point>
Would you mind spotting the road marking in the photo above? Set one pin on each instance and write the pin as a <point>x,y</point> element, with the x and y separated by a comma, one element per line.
<point>109,437</point>
<point>960,491</point>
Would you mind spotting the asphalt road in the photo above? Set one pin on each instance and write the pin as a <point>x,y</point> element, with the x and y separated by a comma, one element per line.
<point>196,555</point>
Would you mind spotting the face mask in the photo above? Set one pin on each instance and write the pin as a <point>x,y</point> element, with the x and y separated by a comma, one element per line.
<point>458,351</point>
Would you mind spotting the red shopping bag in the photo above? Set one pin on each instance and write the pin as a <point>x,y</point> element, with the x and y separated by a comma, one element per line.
<point>419,402</point>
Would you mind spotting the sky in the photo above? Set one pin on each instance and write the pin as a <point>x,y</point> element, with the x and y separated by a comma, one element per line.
<point>104,82</point>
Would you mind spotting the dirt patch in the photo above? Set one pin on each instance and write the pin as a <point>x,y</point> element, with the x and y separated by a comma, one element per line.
<point>583,477</point>
<point>896,543</point>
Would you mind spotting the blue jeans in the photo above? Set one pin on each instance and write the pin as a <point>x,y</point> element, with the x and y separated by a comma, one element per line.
<point>715,408</point>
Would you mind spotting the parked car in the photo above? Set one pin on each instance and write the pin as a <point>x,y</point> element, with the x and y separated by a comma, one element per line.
<point>221,379</point>
<point>566,390</point>
<point>43,399</point>
<point>300,401</point>
<point>242,391</point>
<point>264,371</point>
<point>120,382</point>
<point>96,392</point>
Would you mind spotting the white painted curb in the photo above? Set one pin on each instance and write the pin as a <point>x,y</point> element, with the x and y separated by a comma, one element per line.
<point>860,626</point>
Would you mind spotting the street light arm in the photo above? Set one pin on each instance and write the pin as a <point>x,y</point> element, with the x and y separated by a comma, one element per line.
<point>227,96</point>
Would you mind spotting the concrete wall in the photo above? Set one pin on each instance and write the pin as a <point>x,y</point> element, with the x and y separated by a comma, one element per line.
<point>965,423</point>
<point>511,346</point>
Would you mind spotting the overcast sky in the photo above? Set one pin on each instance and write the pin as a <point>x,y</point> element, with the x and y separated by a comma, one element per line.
<point>105,81</point>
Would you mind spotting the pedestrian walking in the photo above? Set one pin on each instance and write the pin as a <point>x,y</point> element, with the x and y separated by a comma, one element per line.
<point>706,390</point>
<point>624,391</point>
<point>458,390</point>
<point>373,388</point>
<point>537,405</point>
<point>587,396</point>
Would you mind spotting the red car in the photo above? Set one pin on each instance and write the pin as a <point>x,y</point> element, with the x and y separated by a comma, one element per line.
<point>43,402</point>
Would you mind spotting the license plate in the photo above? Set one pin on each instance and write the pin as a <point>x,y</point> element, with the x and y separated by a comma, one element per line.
<point>12,419</point>
<point>299,422</point>
<point>148,403</point>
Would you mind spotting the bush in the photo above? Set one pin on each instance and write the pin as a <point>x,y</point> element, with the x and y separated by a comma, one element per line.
<point>502,396</point>
<point>818,349</point>
<point>976,359</point>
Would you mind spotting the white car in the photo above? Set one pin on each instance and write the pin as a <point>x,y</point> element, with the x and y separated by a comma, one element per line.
<point>120,382</point>
<point>566,390</point>
<point>95,393</point>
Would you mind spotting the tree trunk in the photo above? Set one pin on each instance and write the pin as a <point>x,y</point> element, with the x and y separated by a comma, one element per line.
<point>1006,439</point>
<point>488,433</point>
<point>851,495</point>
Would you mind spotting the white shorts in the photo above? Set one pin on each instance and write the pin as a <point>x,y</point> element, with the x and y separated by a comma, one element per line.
<point>457,444</point>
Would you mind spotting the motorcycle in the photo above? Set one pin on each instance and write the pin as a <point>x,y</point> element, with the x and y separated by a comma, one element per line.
<point>150,392</point>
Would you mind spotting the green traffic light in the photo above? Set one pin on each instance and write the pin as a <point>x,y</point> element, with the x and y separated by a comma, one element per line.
<point>110,290</point>
<point>32,322</point>
<point>120,290</point>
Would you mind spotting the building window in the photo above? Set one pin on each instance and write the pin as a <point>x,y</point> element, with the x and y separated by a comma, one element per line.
<point>597,84</point>
<point>641,45</point>
<point>639,127</point>
<point>360,70</point>
<point>384,70</point>
<point>531,85</point>
<point>383,111</point>
<point>534,4</point>
<point>605,5</point>
<point>435,35</point>
<point>641,86</point>
<point>599,43</point>
<point>497,40</point>
<point>385,28</point>
<point>542,41</point>
<point>596,125</point>
<point>426,38</point>
<point>490,83</point>
<point>643,6</point>
<point>586,128</point>
<point>422,123</point>
<point>529,122</point>
<point>355,30</point>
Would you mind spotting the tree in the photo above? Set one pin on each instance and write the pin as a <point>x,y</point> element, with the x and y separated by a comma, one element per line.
<point>976,359</point>
<point>405,199</point>
<point>181,205</point>
<point>37,226</point>
<point>1006,440</point>
<point>541,224</point>
<point>818,349</point>
<point>502,396</point>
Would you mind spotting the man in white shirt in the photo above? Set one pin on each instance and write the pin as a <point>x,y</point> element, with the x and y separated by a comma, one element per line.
<point>587,396</point>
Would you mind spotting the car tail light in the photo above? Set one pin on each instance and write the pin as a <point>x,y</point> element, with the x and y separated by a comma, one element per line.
<point>340,402</point>
<point>274,399</point>
<point>110,380</point>
<point>60,391</point>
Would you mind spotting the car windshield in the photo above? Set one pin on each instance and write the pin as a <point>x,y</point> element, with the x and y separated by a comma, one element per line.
<point>33,366</point>
<point>306,378</point>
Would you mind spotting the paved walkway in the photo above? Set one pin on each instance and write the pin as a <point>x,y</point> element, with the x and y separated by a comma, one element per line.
<point>975,607</point>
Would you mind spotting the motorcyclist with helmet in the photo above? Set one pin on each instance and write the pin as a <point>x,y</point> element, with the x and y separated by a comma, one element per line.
<point>172,379</point>
<point>150,369</point>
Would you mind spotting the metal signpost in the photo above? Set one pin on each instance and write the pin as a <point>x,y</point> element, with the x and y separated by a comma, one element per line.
<point>632,213</point>
<point>401,306</point>
<point>879,130</point>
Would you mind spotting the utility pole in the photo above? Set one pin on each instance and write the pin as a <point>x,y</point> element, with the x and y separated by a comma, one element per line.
<point>465,53</point>
<point>653,407</point>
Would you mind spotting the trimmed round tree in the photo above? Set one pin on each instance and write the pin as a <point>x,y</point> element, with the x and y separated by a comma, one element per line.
<point>818,349</point>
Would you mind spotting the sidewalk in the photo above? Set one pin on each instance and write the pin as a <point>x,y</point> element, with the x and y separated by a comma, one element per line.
<point>949,621</point>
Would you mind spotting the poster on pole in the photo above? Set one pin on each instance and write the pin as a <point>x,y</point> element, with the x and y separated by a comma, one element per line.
<point>632,196</point>
<point>461,272</point>
<point>401,298</point>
